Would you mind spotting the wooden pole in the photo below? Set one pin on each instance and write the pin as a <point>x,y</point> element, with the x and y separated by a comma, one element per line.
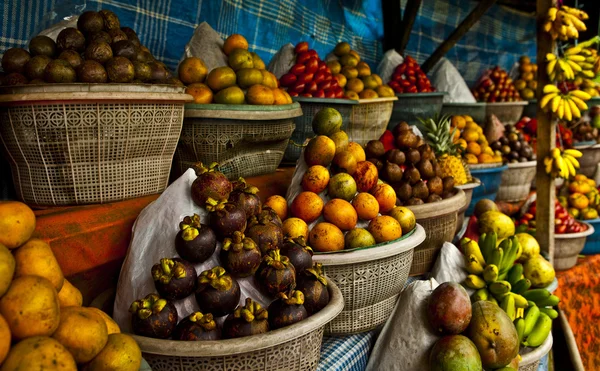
<point>458,33</point>
<point>392,23</point>
<point>408,19</point>
<point>546,139</point>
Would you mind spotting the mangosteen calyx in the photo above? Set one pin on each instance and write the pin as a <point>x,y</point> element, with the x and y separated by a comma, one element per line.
<point>251,311</point>
<point>151,304</point>
<point>276,260</point>
<point>292,297</point>
<point>200,168</point>
<point>213,205</point>
<point>239,242</point>
<point>216,277</point>
<point>167,270</point>
<point>205,321</point>
<point>300,241</point>
<point>317,272</point>
<point>241,186</point>
<point>190,227</point>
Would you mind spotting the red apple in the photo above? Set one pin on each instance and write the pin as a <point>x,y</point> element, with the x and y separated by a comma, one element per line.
<point>312,65</point>
<point>302,57</point>
<point>324,85</point>
<point>313,53</point>
<point>319,94</point>
<point>305,77</point>
<point>298,69</point>
<point>310,87</point>
<point>307,95</point>
<point>288,79</point>
<point>301,47</point>
<point>334,83</point>
<point>292,93</point>
<point>319,76</point>
<point>329,93</point>
<point>298,87</point>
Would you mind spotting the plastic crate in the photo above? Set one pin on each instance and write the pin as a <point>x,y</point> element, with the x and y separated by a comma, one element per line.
<point>411,106</point>
<point>490,177</point>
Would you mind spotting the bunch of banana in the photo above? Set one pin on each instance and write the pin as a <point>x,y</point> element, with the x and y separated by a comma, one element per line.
<point>566,106</point>
<point>562,164</point>
<point>565,23</point>
<point>576,61</point>
<point>533,328</point>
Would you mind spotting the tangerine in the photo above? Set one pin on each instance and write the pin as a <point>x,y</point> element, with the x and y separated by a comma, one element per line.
<point>307,206</point>
<point>349,60</point>
<point>341,141</point>
<point>246,77</point>
<point>344,162</point>
<point>354,53</point>
<point>368,94</point>
<point>340,213</point>
<point>342,186</point>
<point>192,70</point>
<point>474,148</point>
<point>385,91</point>
<point>385,228</point>
<point>357,151</point>
<point>335,67</point>
<point>359,237</point>
<point>240,58</point>
<point>341,48</point>
<point>258,62</point>
<point>355,84</point>
<point>260,95</point>
<point>319,151</point>
<point>385,196</point>
<point>278,204</point>
<point>369,81</point>
<point>349,72</point>
<point>17,223</point>
<point>221,78</point>
<point>378,79</point>
<point>366,176</point>
<point>341,79</point>
<point>363,70</point>
<point>269,79</point>
<point>366,206</point>
<point>294,228</point>
<point>327,121</point>
<point>315,179</point>
<point>326,237</point>
<point>230,95</point>
<point>405,217</point>
<point>201,93</point>
<point>351,95</point>
<point>281,96</point>
<point>234,41</point>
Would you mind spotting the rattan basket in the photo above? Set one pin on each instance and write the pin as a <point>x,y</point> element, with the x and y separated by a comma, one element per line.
<point>439,219</point>
<point>370,281</point>
<point>71,144</point>
<point>468,189</point>
<point>567,247</point>
<point>369,119</point>
<point>310,107</point>
<point>245,140</point>
<point>589,160</point>
<point>509,113</point>
<point>516,181</point>
<point>410,107</point>
<point>530,359</point>
<point>475,110</point>
<point>295,347</point>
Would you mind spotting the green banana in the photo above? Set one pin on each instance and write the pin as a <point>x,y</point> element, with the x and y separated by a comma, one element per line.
<point>521,286</point>
<point>550,312</point>
<point>508,306</point>
<point>520,326</point>
<point>520,301</point>
<point>515,273</point>
<point>499,287</point>
<point>507,246</point>
<point>540,331</point>
<point>496,257</point>
<point>536,295</point>
<point>475,282</point>
<point>481,294</point>
<point>550,301</point>
<point>531,317</point>
<point>510,256</point>
<point>487,242</point>
<point>472,248</point>
<point>490,273</point>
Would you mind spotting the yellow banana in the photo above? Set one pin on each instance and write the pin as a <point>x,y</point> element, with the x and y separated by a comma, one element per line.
<point>473,265</point>
<point>555,153</point>
<point>580,94</point>
<point>472,248</point>
<point>550,88</point>
<point>547,98</point>
<point>548,164</point>
<point>579,102</point>
<point>550,57</point>
<point>579,25</point>
<point>551,66</point>
<point>571,169</point>
<point>588,74</point>
<point>574,50</point>
<point>564,66</point>
<point>586,66</point>
<point>562,167</point>
<point>574,109</point>
<point>547,27</point>
<point>555,103</point>
<point>567,114</point>
<point>573,152</point>
<point>574,66</point>
<point>575,58</point>
<point>552,14</point>
<point>572,160</point>
<point>560,112</point>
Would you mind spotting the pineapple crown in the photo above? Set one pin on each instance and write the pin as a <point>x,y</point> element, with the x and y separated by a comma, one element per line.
<point>438,135</point>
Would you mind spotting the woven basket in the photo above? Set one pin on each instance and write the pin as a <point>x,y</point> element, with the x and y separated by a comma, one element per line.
<point>439,219</point>
<point>589,161</point>
<point>468,189</point>
<point>71,144</point>
<point>245,140</point>
<point>411,106</point>
<point>370,280</point>
<point>567,247</point>
<point>369,119</point>
<point>530,361</point>
<point>509,113</point>
<point>295,347</point>
<point>516,181</point>
<point>310,107</point>
<point>475,110</point>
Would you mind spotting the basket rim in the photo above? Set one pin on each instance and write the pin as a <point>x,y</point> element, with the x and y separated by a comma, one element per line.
<point>588,146</point>
<point>247,344</point>
<point>324,100</point>
<point>474,184</point>
<point>506,104</point>
<point>464,104</point>
<point>92,97</point>
<point>565,236</point>
<point>435,94</point>
<point>487,168</point>
<point>522,165</point>
<point>375,253</point>
<point>377,100</point>
<point>444,207</point>
<point>92,88</point>
<point>537,354</point>
<point>242,111</point>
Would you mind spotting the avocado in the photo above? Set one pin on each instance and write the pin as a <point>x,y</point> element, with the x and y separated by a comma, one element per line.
<point>100,36</point>
<point>125,48</point>
<point>131,36</point>
<point>111,21</point>
<point>143,72</point>
<point>159,72</point>
<point>59,71</point>
<point>72,57</point>
<point>15,59</point>
<point>92,72</point>
<point>90,22</point>
<point>98,51</point>
<point>120,69</point>
<point>42,45</point>
<point>70,39</point>
<point>34,69</point>
<point>14,78</point>
<point>117,35</point>
<point>145,56</point>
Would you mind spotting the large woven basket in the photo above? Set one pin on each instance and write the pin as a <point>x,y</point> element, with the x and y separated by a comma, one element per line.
<point>73,144</point>
<point>509,113</point>
<point>468,189</point>
<point>530,360</point>
<point>369,119</point>
<point>475,110</point>
<point>304,130</point>
<point>516,181</point>
<point>411,106</point>
<point>370,280</point>
<point>295,347</point>
<point>439,219</point>
<point>245,140</point>
<point>589,161</point>
<point>567,247</point>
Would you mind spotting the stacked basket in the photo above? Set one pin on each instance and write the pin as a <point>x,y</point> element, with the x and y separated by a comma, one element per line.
<point>369,119</point>
<point>410,107</point>
<point>516,181</point>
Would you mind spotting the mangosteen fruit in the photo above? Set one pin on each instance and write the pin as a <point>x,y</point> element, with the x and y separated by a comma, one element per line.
<point>90,22</point>
<point>92,72</point>
<point>98,51</point>
<point>435,185</point>
<point>15,60</point>
<point>270,215</point>
<point>34,69</point>
<point>374,148</point>
<point>413,156</point>
<point>100,36</point>
<point>225,217</point>
<point>433,198</point>
<point>175,279</point>
<point>218,292</point>
<point>516,146</point>
<point>195,242</point>
<point>245,196</point>
<point>131,36</point>
<point>267,235</point>
<point>59,71</point>
<point>313,284</point>
<point>287,309</point>
<point>111,21</point>
<point>73,57</point>
<point>391,172</point>
<point>209,183</point>
<point>276,273</point>
<point>420,190</point>
<point>13,79</point>
<point>240,255</point>
<point>196,327</point>
<point>448,183</point>
<point>425,169</point>
<point>395,156</point>
<point>414,201</point>
<point>70,39</point>
<point>153,317</point>
<point>126,48</point>
<point>142,71</point>
<point>299,253</point>
<point>403,191</point>
<point>42,45</point>
<point>250,319</point>
<point>411,175</point>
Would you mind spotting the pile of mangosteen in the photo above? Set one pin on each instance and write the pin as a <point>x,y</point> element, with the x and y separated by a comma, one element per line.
<point>252,244</point>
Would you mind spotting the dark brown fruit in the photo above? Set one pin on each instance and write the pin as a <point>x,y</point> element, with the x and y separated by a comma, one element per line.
<point>411,175</point>
<point>92,72</point>
<point>276,273</point>
<point>240,255</point>
<point>111,21</point>
<point>145,56</point>
<point>210,183</point>
<point>313,285</point>
<point>425,169</point>
<point>448,184</point>
<point>435,185</point>
<point>426,152</point>
<point>403,191</point>
<point>391,172</point>
<point>72,57</point>
<point>245,196</point>
<point>374,148</point>
<point>218,293</point>
<point>42,45</point>
<point>131,36</point>
<point>59,71</point>
<point>195,242</point>
<point>159,72</point>
<point>153,317</point>
<point>298,252</point>
<point>15,60</point>
<point>483,206</point>
<point>174,279</point>
<point>287,309</point>
<point>251,319</point>
<point>395,156</point>
<point>267,235</point>
<point>126,48</point>
<point>420,190</point>
<point>414,201</point>
<point>437,169</point>
<point>196,327</point>
<point>446,195</point>
<point>70,39</point>
<point>14,78</point>
<point>98,51</point>
<point>90,22</point>
<point>34,69</point>
<point>449,309</point>
<point>116,36</point>
<point>401,127</point>
<point>413,156</point>
<point>120,69</point>
<point>100,36</point>
<point>406,139</point>
<point>225,218</point>
<point>433,198</point>
<point>377,162</point>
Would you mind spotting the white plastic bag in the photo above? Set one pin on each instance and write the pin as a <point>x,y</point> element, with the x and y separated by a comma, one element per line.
<point>391,59</point>
<point>450,265</point>
<point>445,77</point>
<point>206,44</point>
<point>282,61</point>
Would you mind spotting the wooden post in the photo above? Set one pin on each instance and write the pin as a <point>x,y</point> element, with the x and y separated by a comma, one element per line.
<point>458,33</point>
<point>546,139</point>
<point>392,23</point>
<point>408,19</point>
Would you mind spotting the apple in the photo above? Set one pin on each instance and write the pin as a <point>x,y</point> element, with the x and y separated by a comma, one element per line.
<point>324,85</point>
<point>329,93</point>
<point>319,94</point>
<point>307,95</point>
<point>302,57</point>
<point>310,87</point>
<point>313,53</point>
<point>305,77</point>
<point>288,79</point>
<point>319,76</point>
<point>312,65</point>
<point>298,69</point>
<point>298,87</point>
<point>301,47</point>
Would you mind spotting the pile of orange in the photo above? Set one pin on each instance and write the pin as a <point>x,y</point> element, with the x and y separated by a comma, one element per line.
<point>469,135</point>
<point>355,75</point>
<point>243,81</point>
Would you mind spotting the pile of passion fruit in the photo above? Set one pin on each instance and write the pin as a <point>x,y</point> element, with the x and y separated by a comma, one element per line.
<point>253,244</point>
<point>99,50</point>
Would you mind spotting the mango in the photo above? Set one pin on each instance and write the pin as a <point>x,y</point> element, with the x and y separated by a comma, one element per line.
<point>39,353</point>
<point>539,271</point>
<point>456,353</point>
<point>495,221</point>
<point>36,258</point>
<point>449,309</point>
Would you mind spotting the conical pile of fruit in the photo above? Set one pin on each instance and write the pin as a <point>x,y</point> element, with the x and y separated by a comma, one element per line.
<point>360,82</point>
<point>99,50</point>
<point>244,81</point>
<point>581,197</point>
<point>526,85</point>
<point>409,78</point>
<point>512,147</point>
<point>42,323</point>
<point>469,136</point>
<point>495,86</point>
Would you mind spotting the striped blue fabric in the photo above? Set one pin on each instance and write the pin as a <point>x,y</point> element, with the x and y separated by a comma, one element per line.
<point>347,353</point>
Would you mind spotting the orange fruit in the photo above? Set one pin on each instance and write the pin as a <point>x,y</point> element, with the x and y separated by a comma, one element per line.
<point>344,162</point>
<point>341,79</point>
<point>334,66</point>
<point>378,79</point>
<point>385,91</point>
<point>342,186</point>
<point>349,72</point>
<point>474,148</point>
<point>471,159</point>
<point>307,206</point>
<point>385,228</point>
<point>246,77</point>
<point>258,62</point>
<point>201,93</point>
<point>269,79</point>
<point>366,176</point>
<point>355,84</point>
<point>484,158</point>
<point>340,213</point>
<point>221,78</point>
<point>470,135</point>
<point>319,151</point>
<point>17,223</point>
<point>385,196</point>
<point>368,94</point>
<point>315,179</point>
<point>278,204</point>
<point>326,237</point>
<point>281,96</point>
<point>294,228</point>
<point>578,201</point>
<point>357,151</point>
<point>192,70</point>
<point>234,41</point>
<point>366,206</point>
<point>351,95</point>
<point>4,339</point>
<point>363,69</point>
<point>260,95</point>
<point>458,121</point>
<point>369,81</point>
<point>240,58</point>
<point>405,217</point>
<point>354,53</point>
<point>358,237</point>
<point>341,141</point>
<point>349,60</point>
<point>230,95</point>
<point>342,48</point>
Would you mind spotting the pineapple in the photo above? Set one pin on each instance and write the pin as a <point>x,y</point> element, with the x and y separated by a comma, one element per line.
<point>439,136</point>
